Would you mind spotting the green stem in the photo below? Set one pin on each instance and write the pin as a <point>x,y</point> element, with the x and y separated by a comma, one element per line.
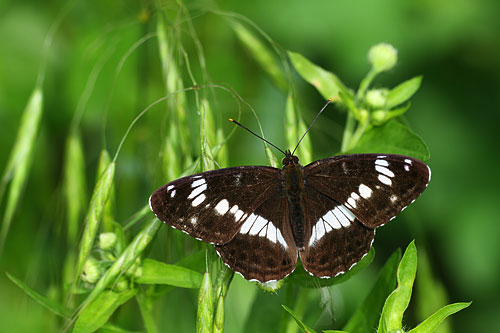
<point>146,309</point>
<point>348,132</point>
<point>360,130</point>
<point>365,83</point>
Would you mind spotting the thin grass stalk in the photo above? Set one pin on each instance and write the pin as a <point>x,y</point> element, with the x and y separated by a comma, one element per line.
<point>205,314</point>
<point>108,214</point>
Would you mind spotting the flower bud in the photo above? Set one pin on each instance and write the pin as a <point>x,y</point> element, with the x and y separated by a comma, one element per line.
<point>383,57</point>
<point>91,270</point>
<point>107,241</point>
<point>376,98</point>
<point>379,117</point>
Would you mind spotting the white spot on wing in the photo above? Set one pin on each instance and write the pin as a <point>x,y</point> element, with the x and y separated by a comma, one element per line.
<point>385,180</point>
<point>271,232</point>
<point>365,191</point>
<point>193,220</point>
<point>340,217</point>
<point>257,226</point>
<point>407,167</point>
<point>408,161</point>
<point>197,191</point>
<point>384,170</point>
<point>172,194</point>
<point>169,187</point>
<point>248,224</point>
<point>198,200</point>
<point>347,213</point>
<point>198,182</point>
<point>381,162</point>
<point>281,240</point>
<point>394,198</point>
<point>351,202</point>
<point>222,207</point>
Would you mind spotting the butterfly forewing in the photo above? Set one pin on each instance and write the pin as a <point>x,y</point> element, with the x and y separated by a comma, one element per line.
<point>212,206</point>
<point>374,187</point>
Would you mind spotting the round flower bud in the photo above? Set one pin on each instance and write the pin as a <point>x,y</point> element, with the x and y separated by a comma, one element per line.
<point>376,98</point>
<point>379,117</point>
<point>91,270</point>
<point>107,241</point>
<point>383,57</point>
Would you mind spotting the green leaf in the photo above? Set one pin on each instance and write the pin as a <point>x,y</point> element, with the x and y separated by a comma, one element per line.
<point>327,83</point>
<point>302,278</point>
<point>366,316</point>
<point>303,327</point>
<point>392,138</point>
<point>97,313</point>
<point>403,92</point>
<point>49,304</point>
<point>431,323</point>
<point>155,272</point>
<point>398,300</point>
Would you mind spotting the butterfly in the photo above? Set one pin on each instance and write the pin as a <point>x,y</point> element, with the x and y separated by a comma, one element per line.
<point>261,219</point>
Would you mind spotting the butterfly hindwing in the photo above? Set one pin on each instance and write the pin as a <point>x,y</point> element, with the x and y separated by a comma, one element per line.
<point>264,248</point>
<point>336,239</point>
<point>212,206</point>
<point>375,187</point>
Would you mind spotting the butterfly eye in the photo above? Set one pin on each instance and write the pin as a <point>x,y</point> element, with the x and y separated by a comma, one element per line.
<point>285,161</point>
<point>295,160</point>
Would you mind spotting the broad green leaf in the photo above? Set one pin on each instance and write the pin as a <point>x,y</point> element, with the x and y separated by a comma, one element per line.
<point>261,53</point>
<point>93,218</point>
<point>205,314</point>
<point>431,323</point>
<point>403,92</point>
<point>398,300</point>
<point>97,313</point>
<point>366,316</point>
<point>392,138</point>
<point>155,272</point>
<point>302,278</point>
<point>303,327</point>
<point>52,306</point>
<point>335,331</point>
<point>327,83</point>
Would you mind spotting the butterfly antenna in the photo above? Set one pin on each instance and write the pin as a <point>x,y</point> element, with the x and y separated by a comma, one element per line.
<point>312,123</point>
<point>240,125</point>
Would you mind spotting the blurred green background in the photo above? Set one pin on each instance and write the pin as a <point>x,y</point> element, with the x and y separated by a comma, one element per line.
<point>455,45</point>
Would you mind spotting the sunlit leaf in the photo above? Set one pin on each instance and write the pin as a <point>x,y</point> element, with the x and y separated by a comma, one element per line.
<point>155,272</point>
<point>97,313</point>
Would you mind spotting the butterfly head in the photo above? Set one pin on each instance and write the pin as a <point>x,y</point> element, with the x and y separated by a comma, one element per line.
<point>290,159</point>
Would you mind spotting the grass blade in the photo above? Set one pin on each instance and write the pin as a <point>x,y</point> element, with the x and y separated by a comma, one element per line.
<point>98,312</point>
<point>49,304</point>
<point>205,315</point>
<point>303,327</point>
<point>19,160</point>
<point>100,196</point>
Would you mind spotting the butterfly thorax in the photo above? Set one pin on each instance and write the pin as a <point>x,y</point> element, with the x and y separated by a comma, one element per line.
<point>292,175</point>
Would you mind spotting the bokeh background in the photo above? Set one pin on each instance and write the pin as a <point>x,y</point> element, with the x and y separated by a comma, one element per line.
<point>454,44</point>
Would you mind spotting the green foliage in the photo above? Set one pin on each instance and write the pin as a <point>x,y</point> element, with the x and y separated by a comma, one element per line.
<point>107,257</point>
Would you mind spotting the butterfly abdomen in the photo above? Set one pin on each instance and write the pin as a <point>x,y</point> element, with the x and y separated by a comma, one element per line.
<point>293,177</point>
